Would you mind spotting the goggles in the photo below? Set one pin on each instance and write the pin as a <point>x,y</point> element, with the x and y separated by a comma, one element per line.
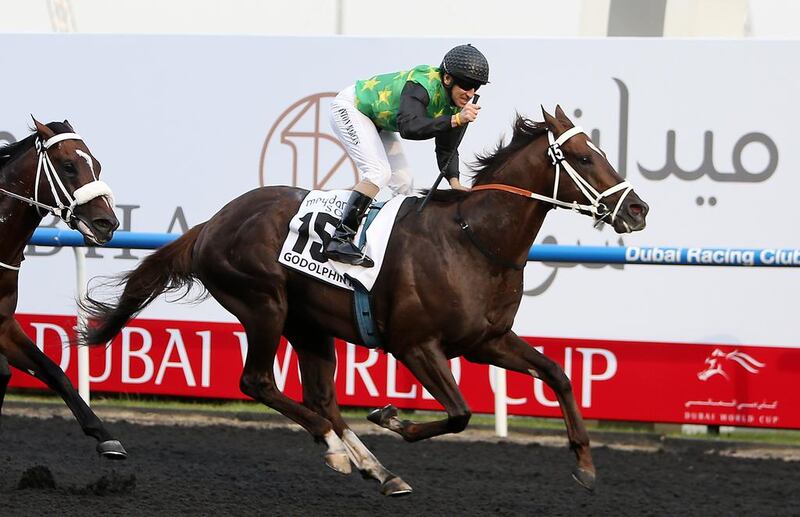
<point>466,84</point>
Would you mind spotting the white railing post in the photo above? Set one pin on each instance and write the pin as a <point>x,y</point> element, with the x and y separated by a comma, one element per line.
<point>83,351</point>
<point>500,406</point>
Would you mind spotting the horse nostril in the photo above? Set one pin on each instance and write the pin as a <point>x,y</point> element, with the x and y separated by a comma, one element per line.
<point>637,210</point>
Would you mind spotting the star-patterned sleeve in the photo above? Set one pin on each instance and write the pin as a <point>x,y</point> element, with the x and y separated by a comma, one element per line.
<point>412,117</point>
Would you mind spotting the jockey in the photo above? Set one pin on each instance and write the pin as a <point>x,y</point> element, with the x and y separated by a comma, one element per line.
<point>422,103</point>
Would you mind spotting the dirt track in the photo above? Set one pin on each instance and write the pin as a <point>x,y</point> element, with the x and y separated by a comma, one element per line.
<point>260,468</point>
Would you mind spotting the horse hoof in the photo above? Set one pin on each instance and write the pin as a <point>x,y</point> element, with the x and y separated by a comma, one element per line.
<point>112,450</point>
<point>338,461</point>
<point>395,486</point>
<point>381,416</point>
<point>585,478</point>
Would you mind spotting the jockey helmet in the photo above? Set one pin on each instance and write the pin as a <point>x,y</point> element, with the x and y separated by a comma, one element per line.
<point>467,63</point>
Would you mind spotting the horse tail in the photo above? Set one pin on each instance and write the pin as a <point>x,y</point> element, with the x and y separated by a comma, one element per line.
<point>168,269</point>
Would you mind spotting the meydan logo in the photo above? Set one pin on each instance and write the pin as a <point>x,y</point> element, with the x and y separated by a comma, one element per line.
<point>706,168</point>
<point>301,151</point>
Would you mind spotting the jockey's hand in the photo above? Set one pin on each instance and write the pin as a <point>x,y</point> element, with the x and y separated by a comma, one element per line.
<point>456,185</point>
<point>467,114</point>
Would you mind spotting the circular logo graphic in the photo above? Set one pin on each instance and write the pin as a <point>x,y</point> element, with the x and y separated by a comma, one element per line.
<point>301,150</point>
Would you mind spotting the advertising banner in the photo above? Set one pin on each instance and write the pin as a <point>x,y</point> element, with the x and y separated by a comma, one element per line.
<point>704,130</point>
<point>612,380</point>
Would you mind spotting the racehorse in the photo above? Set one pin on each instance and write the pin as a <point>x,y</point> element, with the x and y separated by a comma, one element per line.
<point>52,171</point>
<point>450,286</point>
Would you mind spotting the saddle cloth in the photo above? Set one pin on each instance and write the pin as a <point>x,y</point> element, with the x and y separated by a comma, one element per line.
<point>318,215</point>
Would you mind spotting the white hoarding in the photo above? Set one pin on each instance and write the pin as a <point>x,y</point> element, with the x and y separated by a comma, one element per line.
<point>703,129</point>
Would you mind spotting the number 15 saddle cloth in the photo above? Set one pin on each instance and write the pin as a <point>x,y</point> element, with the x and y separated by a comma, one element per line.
<point>316,220</point>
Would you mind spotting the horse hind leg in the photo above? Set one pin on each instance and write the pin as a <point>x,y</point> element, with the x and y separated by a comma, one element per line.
<point>22,354</point>
<point>263,326</point>
<point>371,468</point>
<point>317,366</point>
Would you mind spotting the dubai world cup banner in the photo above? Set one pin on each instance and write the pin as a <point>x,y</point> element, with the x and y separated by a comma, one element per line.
<point>639,381</point>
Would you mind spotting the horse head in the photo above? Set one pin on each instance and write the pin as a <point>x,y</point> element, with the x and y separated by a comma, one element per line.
<point>67,182</point>
<point>583,174</point>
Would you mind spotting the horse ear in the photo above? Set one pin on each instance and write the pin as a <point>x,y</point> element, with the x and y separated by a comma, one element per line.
<point>66,123</point>
<point>44,131</point>
<point>548,119</point>
<point>560,115</point>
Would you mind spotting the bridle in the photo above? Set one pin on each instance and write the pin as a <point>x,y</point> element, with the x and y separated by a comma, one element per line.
<point>596,207</point>
<point>65,203</point>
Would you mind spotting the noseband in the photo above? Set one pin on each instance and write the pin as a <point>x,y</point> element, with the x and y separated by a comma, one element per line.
<point>65,202</point>
<point>598,210</point>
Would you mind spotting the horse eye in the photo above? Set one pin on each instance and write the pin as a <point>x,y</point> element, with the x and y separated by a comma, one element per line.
<point>69,167</point>
<point>585,160</point>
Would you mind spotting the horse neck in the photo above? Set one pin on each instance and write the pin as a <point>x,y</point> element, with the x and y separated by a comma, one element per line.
<point>18,220</point>
<point>509,222</point>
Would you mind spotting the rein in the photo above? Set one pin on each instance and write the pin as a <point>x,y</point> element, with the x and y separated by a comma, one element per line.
<point>63,209</point>
<point>596,208</point>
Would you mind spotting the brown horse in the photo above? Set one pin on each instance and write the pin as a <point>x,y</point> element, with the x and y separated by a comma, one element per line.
<point>450,286</point>
<point>49,171</point>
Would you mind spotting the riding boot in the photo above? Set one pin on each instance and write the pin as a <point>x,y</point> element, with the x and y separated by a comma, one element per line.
<point>341,248</point>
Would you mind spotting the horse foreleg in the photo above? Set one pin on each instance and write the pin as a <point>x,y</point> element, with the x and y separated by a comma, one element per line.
<point>24,355</point>
<point>430,366</point>
<point>317,366</point>
<point>513,353</point>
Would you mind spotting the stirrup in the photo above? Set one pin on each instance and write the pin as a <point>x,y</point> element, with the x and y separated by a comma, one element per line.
<point>365,261</point>
<point>353,260</point>
<point>344,251</point>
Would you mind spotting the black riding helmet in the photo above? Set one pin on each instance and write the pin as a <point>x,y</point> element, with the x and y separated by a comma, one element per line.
<point>467,65</point>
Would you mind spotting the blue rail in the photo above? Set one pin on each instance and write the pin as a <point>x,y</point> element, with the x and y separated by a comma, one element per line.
<point>135,240</point>
<point>747,257</point>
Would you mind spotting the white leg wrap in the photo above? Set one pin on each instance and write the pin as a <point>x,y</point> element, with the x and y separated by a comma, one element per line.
<point>336,457</point>
<point>335,444</point>
<point>367,463</point>
<point>362,458</point>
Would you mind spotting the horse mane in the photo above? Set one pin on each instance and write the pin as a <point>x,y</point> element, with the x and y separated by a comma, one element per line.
<point>525,132</point>
<point>10,151</point>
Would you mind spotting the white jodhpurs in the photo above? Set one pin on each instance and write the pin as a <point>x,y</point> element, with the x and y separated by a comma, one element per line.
<point>378,155</point>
